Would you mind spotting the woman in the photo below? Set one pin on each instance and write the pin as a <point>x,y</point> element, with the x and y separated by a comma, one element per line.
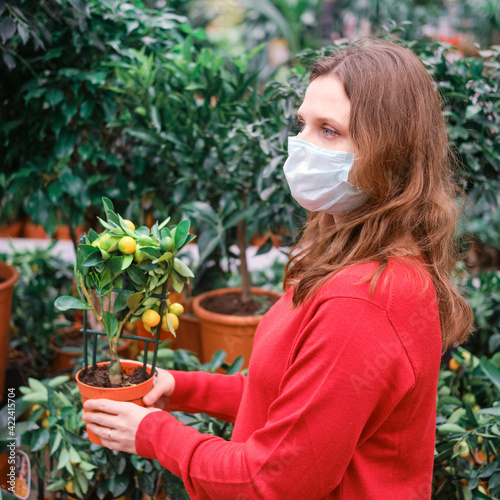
<point>340,397</point>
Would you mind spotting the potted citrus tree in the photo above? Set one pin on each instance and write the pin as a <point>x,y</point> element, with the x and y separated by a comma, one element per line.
<point>125,275</point>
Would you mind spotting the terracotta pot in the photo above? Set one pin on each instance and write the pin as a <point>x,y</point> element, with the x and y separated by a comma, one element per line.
<point>4,470</point>
<point>232,334</point>
<point>132,394</point>
<point>8,278</point>
<point>64,360</point>
<point>34,231</point>
<point>62,232</point>
<point>12,230</point>
<point>164,335</point>
<point>189,334</point>
<point>17,371</point>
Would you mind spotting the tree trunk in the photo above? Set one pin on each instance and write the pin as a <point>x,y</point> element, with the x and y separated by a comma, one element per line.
<point>245,275</point>
<point>115,368</point>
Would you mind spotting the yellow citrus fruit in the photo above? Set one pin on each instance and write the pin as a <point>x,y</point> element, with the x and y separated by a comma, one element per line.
<point>469,398</point>
<point>151,318</point>
<point>34,408</point>
<point>463,449</point>
<point>475,409</point>
<point>127,245</point>
<point>130,224</point>
<point>45,423</point>
<point>167,244</point>
<point>173,319</point>
<point>454,364</point>
<point>480,439</point>
<point>138,255</point>
<point>176,308</point>
<point>105,241</point>
<point>69,488</point>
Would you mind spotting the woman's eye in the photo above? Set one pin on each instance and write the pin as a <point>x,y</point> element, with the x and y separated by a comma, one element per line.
<point>329,132</point>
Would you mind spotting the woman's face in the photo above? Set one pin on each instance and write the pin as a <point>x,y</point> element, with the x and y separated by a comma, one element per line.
<point>324,115</point>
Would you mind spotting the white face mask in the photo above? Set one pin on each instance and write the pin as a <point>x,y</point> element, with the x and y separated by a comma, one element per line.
<point>318,178</point>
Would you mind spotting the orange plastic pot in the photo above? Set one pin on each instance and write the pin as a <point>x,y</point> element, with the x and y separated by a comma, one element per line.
<point>8,278</point>
<point>133,394</point>
<point>232,334</point>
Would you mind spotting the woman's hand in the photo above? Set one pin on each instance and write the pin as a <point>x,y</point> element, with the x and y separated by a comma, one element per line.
<point>115,422</point>
<point>164,385</point>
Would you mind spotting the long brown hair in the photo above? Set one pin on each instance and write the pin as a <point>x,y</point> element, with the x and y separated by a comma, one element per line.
<point>405,164</point>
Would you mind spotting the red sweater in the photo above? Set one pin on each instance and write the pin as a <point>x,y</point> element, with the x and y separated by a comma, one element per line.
<point>339,401</point>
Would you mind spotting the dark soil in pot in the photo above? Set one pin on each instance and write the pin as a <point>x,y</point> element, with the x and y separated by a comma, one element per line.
<point>100,377</point>
<point>231,304</point>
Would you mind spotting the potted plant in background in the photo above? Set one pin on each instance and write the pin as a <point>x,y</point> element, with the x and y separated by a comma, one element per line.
<point>205,125</point>
<point>35,323</point>
<point>125,275</point>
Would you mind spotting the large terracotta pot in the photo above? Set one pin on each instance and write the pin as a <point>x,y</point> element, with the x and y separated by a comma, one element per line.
<point>8,278</point>
<point>132,394</point>
<point>189,334</point>
<point>232,334</point>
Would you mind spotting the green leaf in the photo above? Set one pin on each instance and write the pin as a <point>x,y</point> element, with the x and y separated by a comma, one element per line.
<point>134,300</point>
<point>126,228</point>
<point>127,260</point>
<point>490,411</point>
<point>54,97</point>
<point>57,381</point>
<point>110,324</point>
<point>118,484</point>
<point>217,359</point>
<point>182,268</point>
<point>66,303</point>
<point>121,300</point>
<point>142,231</point>
<point>56,443</point>
<point>93,259</point>
<point>115,265</point>
<point>491,371</point>
<point>152,252</point>
<point>181,233</point>
<point>40,439</point>
<point>138,275</point>
<point>472,111</point>
<point>235,366</point>
<point>57,485</point>
<point>454,428</point>
<point>164,223</point>
<point>63,459</point>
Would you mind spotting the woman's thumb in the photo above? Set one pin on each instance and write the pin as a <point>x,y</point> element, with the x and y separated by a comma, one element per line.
<point>153,395</point>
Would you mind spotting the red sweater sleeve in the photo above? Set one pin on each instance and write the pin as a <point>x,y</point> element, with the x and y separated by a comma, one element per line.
<point>212,393</point>
<point>319,417</point>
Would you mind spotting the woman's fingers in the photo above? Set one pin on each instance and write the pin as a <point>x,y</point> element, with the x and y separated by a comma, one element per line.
<point>164,386</point>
